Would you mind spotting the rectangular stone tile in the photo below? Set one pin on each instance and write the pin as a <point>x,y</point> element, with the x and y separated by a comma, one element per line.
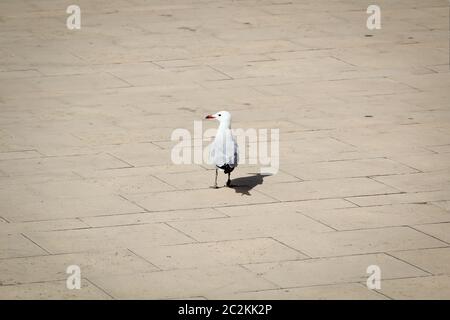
<point>336,188</point>
<point>19,74</point>
<point>68,189</point>
<point>438,230</point>
<point>182,283</point>
<point>359,241</point>
<point>429,181</point>
<point>152,217</point>
<point>101,186</point>
<point>435,261</point>
<point>47,208</point>
<point>423,288</point>
<point>419,197</point>
<point>345,291</point>
<point>190,199</point>
<point>37,178</point>
<point>52,290</point>
<point>124,70</point>
<point>432,162</point>
<point>425,81</point>
<point>81,82</point>
<point>134,184</point>
<point>244,227</point>
<point>379,216</point>
<point>58,164</point>
<point>116,139</point>
<point>140,154</point>
<point>16,245</point>
<point>53,267</point>
<point>243,176</point>
<point>320,148</point>
<point>178,75</point>
<point>192,180</point>
<point>440,149</point>
<point>45,225</point>
<point>332,270</point>
<point>208,254</point>
<point>285,207</point>
<point>394,139</point>
<point>314,67</point>
<point>346,169</point>
<point>342,87</point>
<point>26,154</point>
<point>107,238</point>
<point>442,204</point>
<point>138,171</point>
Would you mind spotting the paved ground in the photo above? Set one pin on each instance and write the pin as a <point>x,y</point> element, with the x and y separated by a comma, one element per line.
<point>85,170</point>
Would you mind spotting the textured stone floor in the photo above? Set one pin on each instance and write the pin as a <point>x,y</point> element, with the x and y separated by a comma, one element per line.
<point>86,176</point>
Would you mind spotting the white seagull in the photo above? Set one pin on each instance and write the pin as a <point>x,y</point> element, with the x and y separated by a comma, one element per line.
<point>223,153</point>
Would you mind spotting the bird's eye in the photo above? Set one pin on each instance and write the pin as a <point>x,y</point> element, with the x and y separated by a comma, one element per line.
<point>219,115</point>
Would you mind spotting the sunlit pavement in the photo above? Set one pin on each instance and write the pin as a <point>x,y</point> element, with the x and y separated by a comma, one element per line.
<point>86,176</point>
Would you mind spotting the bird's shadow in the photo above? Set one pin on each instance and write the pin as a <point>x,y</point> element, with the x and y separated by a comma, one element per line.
<point>243,185</point>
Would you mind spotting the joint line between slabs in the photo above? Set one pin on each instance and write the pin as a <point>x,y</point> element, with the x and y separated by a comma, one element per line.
<point>429,234</point>
<point>29,239</point>
<point>172,227</point>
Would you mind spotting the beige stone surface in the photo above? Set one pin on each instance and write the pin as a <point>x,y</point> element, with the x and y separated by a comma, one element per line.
<point>401,198</point>
<point>435,261</point>
<point>333,188</point>
<point>183,283</point>
<point>347,291</point>
<point>241,227</point>
<point>52,290</point>
<point>218,253</point>
<point>86,175</point>
<point>332,270</point>
<point>438,230</point>
<point>327,244</point>
<point>380,216</point>
<point>79,240</point>
<point>17,245</point>
<point>51,267</point>
<point>426,288</point>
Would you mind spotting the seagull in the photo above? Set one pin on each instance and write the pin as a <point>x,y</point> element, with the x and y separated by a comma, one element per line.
<point>223,153</point>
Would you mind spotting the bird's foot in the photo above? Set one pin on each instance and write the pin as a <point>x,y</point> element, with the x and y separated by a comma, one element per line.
<point>229,185</point>
<point>214,187</point>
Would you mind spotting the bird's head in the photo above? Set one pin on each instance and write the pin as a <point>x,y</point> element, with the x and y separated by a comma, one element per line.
<point>221,116</point>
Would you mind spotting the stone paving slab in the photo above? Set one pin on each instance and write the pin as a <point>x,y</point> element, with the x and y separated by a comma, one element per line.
<point>438,230</point>
<point>51,267</point>
<point>79,240</point>
<point>183,283</point>
<point>347,291</point>
<point>52,290</point>
<point>351,269</point>
<point>328,244</point>
<point>435,261</point>
<point>86,175</point>
<point>380,216</point>
<point>220,253</point>
<point>17,245</point>
<point>241,227</point>
<point>426,288</point>
<point>333,188</point>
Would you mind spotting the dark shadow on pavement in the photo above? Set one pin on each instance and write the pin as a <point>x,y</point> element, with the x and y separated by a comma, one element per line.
<point>243,185</point>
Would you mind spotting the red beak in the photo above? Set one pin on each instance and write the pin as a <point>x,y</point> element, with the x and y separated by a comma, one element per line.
<point>210,117</point>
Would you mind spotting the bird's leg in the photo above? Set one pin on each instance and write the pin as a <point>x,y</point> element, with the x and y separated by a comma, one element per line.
<point>215,181</point>
<point>229,180</point>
